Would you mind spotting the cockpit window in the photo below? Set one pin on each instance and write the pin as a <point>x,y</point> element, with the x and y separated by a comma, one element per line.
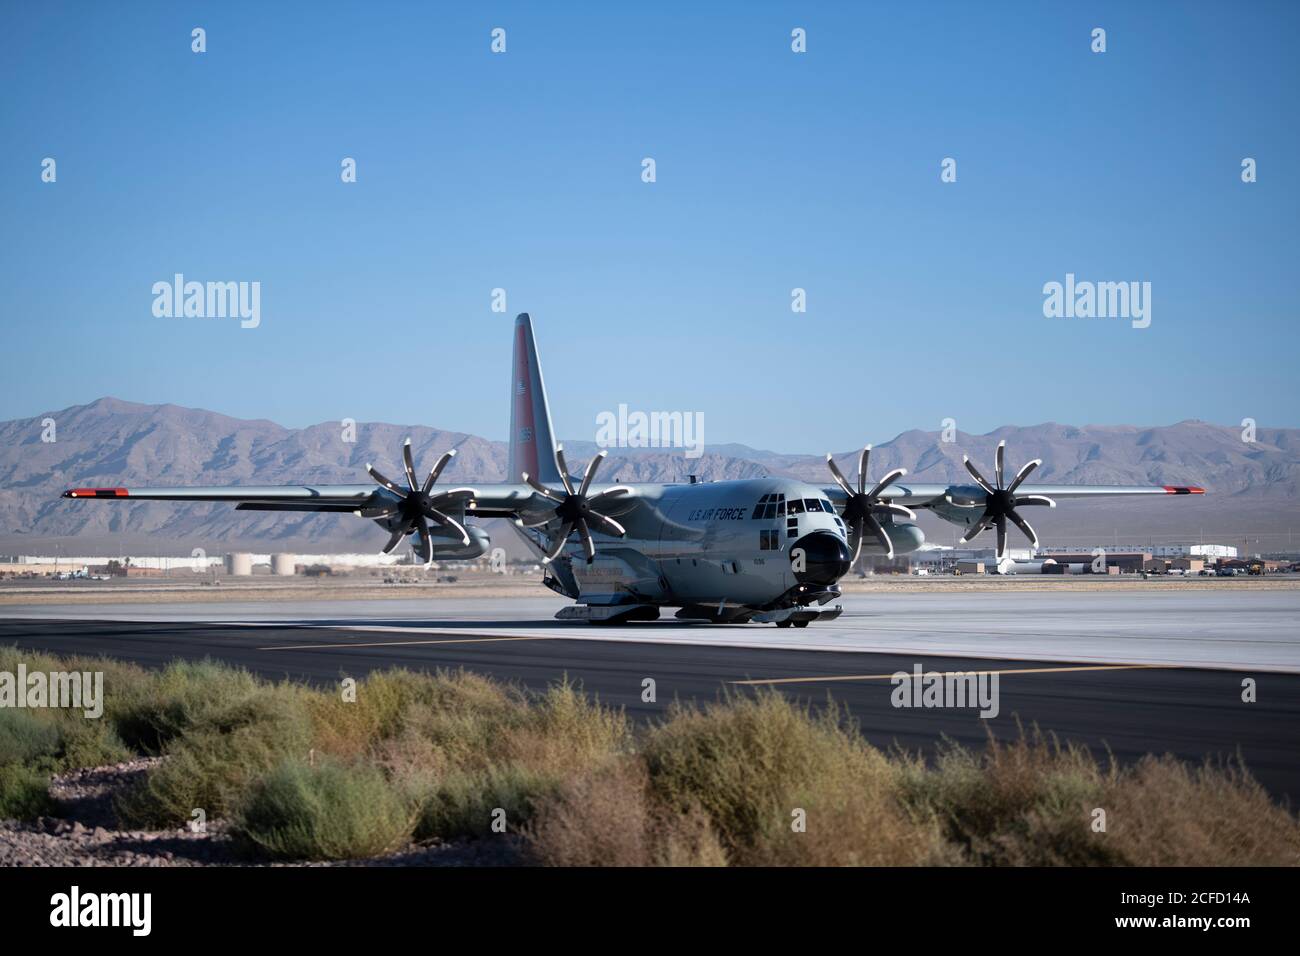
<point>769,506</point>
<point>828,507</point>
<point>812,505</point>
<point>794,506</point>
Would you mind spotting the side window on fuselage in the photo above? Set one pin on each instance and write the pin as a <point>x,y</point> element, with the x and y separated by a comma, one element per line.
<point>769,506</point>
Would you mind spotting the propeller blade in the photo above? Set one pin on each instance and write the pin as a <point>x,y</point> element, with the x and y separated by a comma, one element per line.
<point>590,473</point>
<point>614,492</point>
<point>540,488</point>
<point>997,462</point>
<point>1024,473</point>
<point>436,471</point>
<point>1034,500</point>
<point>395,489</point>
<point>1024,526</point>
<point>377,512</point>
<point>453,495</point>
<point>426,540</point>
<point>447,521</point>
<point>900,510</point>
<point>864,457</point>
<point>609,525</point>
<point>564,469</point>
<point>977,527</point>
<point>838,476</point>
<point>885,482</point>
<point>562,538</point>
<point>1002,536</point>
<point>409,463</point>
<point>396,539</point>
<point>587,544</point>
<point>975,473</point>
<point>858,529</point>
<point>878,530</point>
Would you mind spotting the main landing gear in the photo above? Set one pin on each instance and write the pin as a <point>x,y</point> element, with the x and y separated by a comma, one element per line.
<point>798,616</point>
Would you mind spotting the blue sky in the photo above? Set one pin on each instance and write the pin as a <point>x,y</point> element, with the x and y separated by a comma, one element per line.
<point>775,171</point>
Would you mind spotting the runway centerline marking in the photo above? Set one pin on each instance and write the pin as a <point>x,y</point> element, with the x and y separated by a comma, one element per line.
<point>909,675</point>
<point>455,640</point>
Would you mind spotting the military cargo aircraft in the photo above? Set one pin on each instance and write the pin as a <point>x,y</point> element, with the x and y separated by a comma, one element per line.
<point>769,550</point>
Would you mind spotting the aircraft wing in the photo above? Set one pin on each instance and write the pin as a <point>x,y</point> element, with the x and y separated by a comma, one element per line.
<point>1106,491</point>
<point>919,496</point>
<point>253,497</point>
<point>485,501</point>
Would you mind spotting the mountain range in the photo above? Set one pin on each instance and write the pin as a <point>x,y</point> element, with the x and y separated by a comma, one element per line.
<point>1253,488</point>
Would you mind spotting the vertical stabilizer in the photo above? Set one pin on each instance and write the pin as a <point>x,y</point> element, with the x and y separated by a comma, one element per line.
<point>532,443</point>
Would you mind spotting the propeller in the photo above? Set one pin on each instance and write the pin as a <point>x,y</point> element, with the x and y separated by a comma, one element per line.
<point>417,504</point>
<point>863,505</point>
<point>576,509</point>
<point>1001,501</point>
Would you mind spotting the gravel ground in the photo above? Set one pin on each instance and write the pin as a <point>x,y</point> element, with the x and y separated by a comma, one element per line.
<point>84,833</point>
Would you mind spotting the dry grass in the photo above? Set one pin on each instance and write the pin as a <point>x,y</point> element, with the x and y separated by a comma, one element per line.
<point>610,818</point>
<point>1165,813</point>
<point>505,752</point>
<point>329,811</point>
<point>751,780</point>
<point>785,786</point>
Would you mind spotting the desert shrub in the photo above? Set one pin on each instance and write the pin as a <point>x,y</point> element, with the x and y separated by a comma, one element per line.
<point>26,737</point>
<point>463,802</point>
<point>749,763</point>
<point>1164,812</point>
<point>1027,801</point>
<point>386,701</point>
<point>608,818</point>
<point>330,811</point>
<point>24,792</point>
<point>218,757</point>
<point>149,714</point>
<point>84,742</point>
<point>505,751</point>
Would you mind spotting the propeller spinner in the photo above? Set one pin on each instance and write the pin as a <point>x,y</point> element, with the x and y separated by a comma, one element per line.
<point>576,510</point>
<point>1001,501</point>
<point>418,503</point>
<point>863,505</point>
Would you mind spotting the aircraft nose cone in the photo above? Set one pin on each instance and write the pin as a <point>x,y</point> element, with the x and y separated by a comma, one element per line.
<point>826,558</point>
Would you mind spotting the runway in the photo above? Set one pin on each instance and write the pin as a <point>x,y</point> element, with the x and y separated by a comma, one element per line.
<point>1230,629</point>
<point>1133,673</point>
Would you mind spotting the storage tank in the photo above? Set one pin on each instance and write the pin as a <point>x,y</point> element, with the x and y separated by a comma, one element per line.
<point>1045,566</point>
<point>239,564</point>
<point>283,564</point>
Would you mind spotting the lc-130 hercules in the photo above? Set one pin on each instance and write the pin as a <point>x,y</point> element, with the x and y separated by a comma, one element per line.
<point>762,549</point>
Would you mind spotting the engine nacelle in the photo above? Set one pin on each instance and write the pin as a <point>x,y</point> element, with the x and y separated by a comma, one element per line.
<point>450,549</point>
<point>964,508</point>
<point>446,542</point>
<point>906,538</point>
